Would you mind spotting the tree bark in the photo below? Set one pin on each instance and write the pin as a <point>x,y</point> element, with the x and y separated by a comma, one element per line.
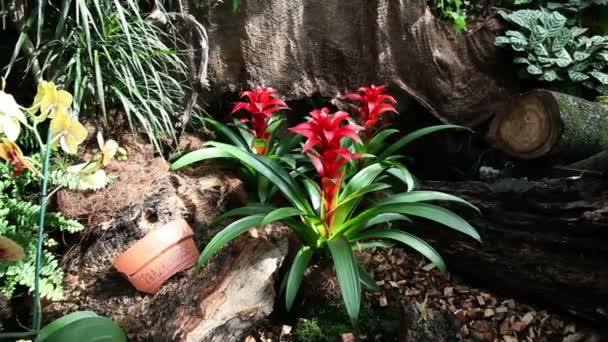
<point>329,47</point>
<point>543,122</point>
<point>233,292</point>
<point>544,241</point>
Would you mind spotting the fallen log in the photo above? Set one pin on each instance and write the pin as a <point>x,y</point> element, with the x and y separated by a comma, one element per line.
<point>220,303</point>
<point>543,241</point>
<point>544,122</point>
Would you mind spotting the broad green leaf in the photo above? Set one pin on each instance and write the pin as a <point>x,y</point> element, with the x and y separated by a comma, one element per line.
<point>228,133</point>
<point>250,209</point>
<point>428,211</point>
<point>401,143</point>
<point>199,155</point>
<point>272,171</point>
<point>279,214</point>
<point>347,271</point>
<point>314,194</point>
<point>416,243</point>
<point>401,172</point>
<point>79,325</point>
<point>296,274</point>
<point>228,234</point>
<point>421,196</point>
<point>388,217</point>
<point>367,280</point>
<point>377,141</point>
<point>363,178</point>
<point>363,245</point>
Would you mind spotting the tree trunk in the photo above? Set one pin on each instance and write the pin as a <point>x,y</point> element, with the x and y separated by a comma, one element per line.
<point>543,122</point>
<point>330,47</point>
<point>544,241</point>
<point>232,293</point>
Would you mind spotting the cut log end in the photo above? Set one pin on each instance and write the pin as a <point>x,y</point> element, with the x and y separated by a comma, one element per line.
<point>531,128</point>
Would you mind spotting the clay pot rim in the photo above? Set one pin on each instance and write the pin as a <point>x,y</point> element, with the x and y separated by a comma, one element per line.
<point>151,246</point>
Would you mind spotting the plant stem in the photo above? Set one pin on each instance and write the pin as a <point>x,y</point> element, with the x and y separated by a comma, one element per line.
<point>37,316</point>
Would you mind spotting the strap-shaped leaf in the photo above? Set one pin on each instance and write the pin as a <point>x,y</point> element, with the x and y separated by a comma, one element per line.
<point>421,196</point>
<point>250,209</point>
<point>228,234</point>
<point>363,178</point>
<point>347,271</point>
<point>413,241</point>
<point>314,194</point>
<point>198,155</point>
<point>401,143</point>
<point>428,211</point>
<point>279,214</point>
<point>401,172</point>
<point>272,171</point>
<point>388,217</point>
<point>377,141</point>
<point>367,280</point>
<point>227,133</point>
<point>296,274</point>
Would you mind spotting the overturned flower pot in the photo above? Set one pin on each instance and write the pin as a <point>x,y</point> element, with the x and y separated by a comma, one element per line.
<point>158,256</point>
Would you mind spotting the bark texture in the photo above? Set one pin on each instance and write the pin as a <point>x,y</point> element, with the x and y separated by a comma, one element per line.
<point>329,47</point>
<point>544,241</point>
<point>543,122</point>
<point>219,303</point>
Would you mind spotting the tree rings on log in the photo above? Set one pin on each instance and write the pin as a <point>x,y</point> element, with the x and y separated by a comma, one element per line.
<point>530,129</point>
<point>544,122</point>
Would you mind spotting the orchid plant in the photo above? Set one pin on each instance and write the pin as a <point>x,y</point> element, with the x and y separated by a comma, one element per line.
<point>327,212</point>
<point>51,111</point>
<point>256,132</point>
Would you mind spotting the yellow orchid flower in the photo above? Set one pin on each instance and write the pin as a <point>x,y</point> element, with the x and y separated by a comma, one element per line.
<point>11,116</point>
<point>108,150</point>
<point>51,101</point>
<point>10,152</point>
<point>68,132</point>
<point>10,250</point>
<point>90,176</point>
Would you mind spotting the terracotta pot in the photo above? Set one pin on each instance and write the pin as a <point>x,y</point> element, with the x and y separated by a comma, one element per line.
<point>158,256</point>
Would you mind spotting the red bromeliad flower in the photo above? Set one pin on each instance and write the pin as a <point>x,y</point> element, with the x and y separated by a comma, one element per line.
<point>325,133</point>
<point>373,104</point>
<point>261,106</point>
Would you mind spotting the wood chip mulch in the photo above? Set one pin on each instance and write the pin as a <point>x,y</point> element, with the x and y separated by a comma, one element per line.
<point>480,315</point>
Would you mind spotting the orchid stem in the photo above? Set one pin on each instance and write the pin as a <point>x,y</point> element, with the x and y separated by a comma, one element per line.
<point>37,316</point>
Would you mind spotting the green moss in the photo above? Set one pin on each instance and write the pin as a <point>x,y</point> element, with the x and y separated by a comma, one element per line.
<point>324,322</point>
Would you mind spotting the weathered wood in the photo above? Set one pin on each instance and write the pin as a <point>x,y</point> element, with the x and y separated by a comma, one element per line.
<point>544,122</point>
<point>329,47</point>
<point>219,303</point>
<point>544,241</point>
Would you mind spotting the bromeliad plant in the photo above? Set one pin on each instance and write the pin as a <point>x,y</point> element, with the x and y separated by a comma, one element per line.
<point>257,133</point>
<point>327,214</point>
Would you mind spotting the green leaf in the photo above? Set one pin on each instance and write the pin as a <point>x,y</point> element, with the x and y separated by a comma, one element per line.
<point>228,234</point>
<point>534,70</point>
<point>199,155</point>
<point>227,133</point>
<point>347,271</point>
<point>367,280</point>
<point>362,179</point>
<point>251,209</point>
<point>377,141</point>
<point>279,214</point>
<point>388,217</point>
<point>421,196</point>
<point>79,325</point>
<point>272,171</point>
<point>314,193</point>
<point>401,143</point>
<point>296,274</point>
<point>416,243</point>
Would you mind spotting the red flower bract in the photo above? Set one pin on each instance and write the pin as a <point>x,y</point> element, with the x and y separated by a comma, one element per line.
<point>261,106</point>
<point>324,133</point>
<point>373,104</point>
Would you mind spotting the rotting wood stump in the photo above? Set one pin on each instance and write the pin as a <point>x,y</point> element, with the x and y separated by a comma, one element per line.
<point>543,241</point>
<point>220,303</point>
<point>544,122</point>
